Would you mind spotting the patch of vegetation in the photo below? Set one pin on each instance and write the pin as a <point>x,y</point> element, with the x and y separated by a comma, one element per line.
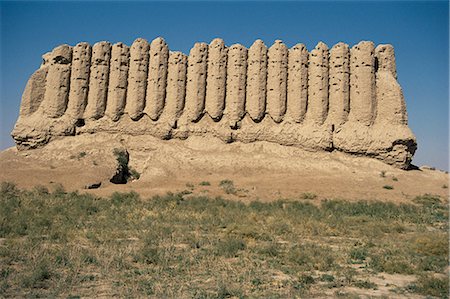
<point>308,195</point>
<point>134,175</point>
<point>431,286</point>
<point>427,200</point>
<point>205,183</point>
<point>230,246</point>
<point>228,186</point>
<point>383,174</point>
<point>388,187</point>
<point>395,179</point>
<point>124,172</point>
<point>445,186</point>
<point>365,284</point>
<point>62,244</point>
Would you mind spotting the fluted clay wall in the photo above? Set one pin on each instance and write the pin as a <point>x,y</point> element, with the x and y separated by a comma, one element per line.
<point>327,99</point>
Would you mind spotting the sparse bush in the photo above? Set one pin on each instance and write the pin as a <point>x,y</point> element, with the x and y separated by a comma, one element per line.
<point>205,183</point>
<point>383,174</point>
<point>41,190</point>
<point>124,172</point>
<point>312,257</point>
<point>38,276</point>
<point>365,284</point>
<point>327,278</point>
<point>190,186</point>
<point>8,188</point>
<point>445,186</point>
<point>395,179</point>
<point>228,186</point>
<point>427,200</point>
<point>271,249</point>
<point>81,155</point>
<point>118,198</point>
<point>308,195</point>
<point>59,190</point>
<point>432,244</point>
<point>230,246</point>
<point>391,261</point>
<point>122,157</point>
<point>388,187</point>
<point>358,254</point>
<point>431,286</point>
<point>134,174</point>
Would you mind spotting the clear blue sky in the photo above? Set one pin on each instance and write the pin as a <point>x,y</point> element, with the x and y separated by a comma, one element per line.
<point>418,30</point>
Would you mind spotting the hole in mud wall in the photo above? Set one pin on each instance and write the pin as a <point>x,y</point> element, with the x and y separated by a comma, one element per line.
<point>80,122</point>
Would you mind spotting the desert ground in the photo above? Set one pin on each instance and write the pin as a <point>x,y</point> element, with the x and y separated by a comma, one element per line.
<point>259,170</point>
<point>199,218</point>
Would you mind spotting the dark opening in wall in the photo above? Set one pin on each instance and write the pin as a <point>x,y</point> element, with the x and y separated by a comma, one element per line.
<point>80,122</point>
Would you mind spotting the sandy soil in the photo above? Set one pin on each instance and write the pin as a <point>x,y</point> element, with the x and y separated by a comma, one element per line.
<point>259,170</point>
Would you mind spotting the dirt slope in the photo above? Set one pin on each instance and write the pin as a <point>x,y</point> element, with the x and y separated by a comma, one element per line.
<point>259,170</point>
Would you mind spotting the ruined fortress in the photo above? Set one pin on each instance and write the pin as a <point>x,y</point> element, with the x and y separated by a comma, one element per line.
<point>344,99</point>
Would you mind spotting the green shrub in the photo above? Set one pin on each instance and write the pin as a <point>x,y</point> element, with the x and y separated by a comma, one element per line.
<point>205,183</point>
<point>122,157</point>
<point>134,174</point>
<point>358,254</point>
<point>38,276</point>
<point>230,246</point>
<point>228,186</point>
<point>431,286</point>
<point>59,190</point>
<point>388,187</point>
<point>308,195</point>
<point>365,284</point>
<point>8,188</point>
<point>40,190</point>
<point>427,200</point>
<point>327,278</point>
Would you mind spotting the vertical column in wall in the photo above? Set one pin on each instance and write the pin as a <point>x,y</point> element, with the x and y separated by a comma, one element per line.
<point>118,80</point>
<point>157,78</point>
<point>98,81</point>
<point>137,78</point>
<point>385,58</point>
<point>277,80</point>
<point>196,82</point>
<point>318,84</point>
<point>256,80</point>
<point>79,80</point>
<point>57,82</point>
<point>297,95</point>
<point>362,83</point>
<point>339,91</point>
<point>391,107</point>
<point>176,87</point>
<point>216,79</point>
<point>34,92</point>
<point>236,80</point>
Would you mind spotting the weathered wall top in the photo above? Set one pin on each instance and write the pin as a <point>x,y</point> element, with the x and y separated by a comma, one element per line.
<point>345,99</point>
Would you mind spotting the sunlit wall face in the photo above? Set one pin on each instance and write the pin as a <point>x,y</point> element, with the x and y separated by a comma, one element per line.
<point>418,31</point>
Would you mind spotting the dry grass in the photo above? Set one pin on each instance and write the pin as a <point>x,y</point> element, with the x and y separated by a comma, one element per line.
<point>58,244</point>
